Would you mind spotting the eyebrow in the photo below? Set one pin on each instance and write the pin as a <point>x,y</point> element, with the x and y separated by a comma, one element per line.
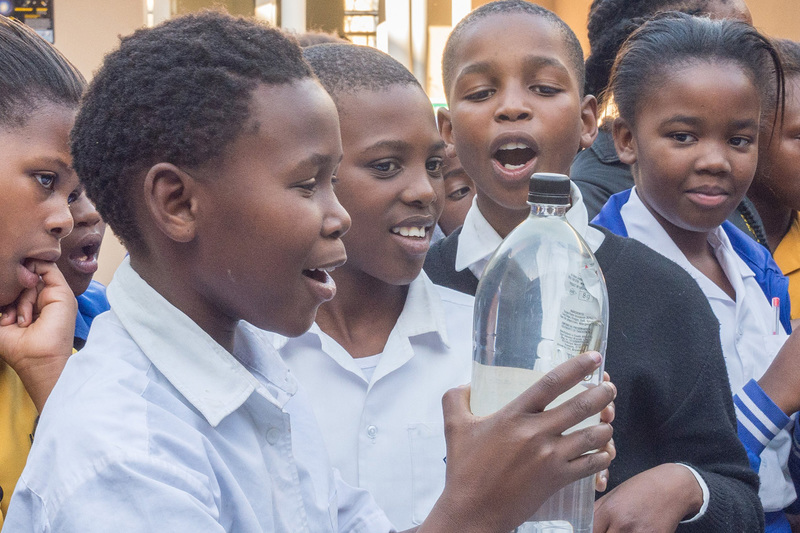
<point>49,161</point>
<point>532,62</point>
<point>695,122</point>
<point>318,160</point>
<point>398,145</point>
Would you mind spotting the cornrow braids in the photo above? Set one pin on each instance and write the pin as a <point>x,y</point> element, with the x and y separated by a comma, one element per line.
<point>613,21</point>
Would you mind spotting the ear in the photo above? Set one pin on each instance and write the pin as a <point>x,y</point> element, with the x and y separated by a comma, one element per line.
<point>624,141</point>
<point>446,131</point>
<point>588,120</point>
<point>169,197</point>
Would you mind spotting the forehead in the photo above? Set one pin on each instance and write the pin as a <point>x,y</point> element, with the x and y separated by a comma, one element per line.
<point>399,112</point>
<point>500,36</point>
<point>285,122</point>
<point>722,91</point>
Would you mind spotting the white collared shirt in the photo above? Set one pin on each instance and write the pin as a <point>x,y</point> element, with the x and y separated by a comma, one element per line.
<point>746,326</point>
<point>385,431</point>
<point>478,239</point>
<point>153,426</point>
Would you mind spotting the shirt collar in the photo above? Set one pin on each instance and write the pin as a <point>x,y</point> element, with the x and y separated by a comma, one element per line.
<point>478,239</point>
<point>214,381</point>
<point>644,227</point>
<point>423,312</point>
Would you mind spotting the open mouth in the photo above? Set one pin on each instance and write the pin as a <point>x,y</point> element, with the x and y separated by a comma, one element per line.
<point>85,253</point>
<point>514,155</point>
<point>318,274</point>
<point>410,231</point>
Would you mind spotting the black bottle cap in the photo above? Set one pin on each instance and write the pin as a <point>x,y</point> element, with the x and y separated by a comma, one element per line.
<point>546,188</point>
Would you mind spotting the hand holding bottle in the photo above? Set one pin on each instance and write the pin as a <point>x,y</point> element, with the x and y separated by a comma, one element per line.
<point>502,467</point>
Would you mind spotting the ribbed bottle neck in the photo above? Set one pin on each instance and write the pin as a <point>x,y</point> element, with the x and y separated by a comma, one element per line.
<point>548,210</point>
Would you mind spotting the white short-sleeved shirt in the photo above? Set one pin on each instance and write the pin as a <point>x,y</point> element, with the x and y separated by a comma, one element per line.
<point>746,326</point>
<point>382,415</point>
<point>153,426</point>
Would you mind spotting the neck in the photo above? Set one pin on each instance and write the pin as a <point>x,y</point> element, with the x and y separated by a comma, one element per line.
<point>501,218</point>
<point>776,218</point>
<point>162,276</point>
<point>364,312</point>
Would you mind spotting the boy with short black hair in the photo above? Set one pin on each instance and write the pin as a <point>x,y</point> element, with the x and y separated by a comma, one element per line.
<point>383,352</point>
<point>514,87</point>
<point>210,149</point>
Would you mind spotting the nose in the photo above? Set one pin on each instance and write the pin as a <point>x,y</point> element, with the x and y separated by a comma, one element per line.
<point>513,105</point>
<point>59,223</point>
<point>714,158</point>
<point>84,213</point>
<point>421,190</point>
<point>336,220</point>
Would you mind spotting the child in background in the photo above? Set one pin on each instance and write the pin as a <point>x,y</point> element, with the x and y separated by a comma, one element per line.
<point>775,190</point>
<point>690,93</point>
<point>458,194</point>
<point>39,93</point>
<point>513,75</point>
<point>78,263</point>
<point>210,149</point>
<point>597,170</point>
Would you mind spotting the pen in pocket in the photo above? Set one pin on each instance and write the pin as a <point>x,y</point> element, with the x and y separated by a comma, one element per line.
<point>776,313</point>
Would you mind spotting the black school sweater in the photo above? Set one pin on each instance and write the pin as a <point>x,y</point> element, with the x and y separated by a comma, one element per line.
<point>674,403</point>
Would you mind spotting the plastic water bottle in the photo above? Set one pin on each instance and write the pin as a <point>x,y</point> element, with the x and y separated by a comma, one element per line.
<point>541,300</point>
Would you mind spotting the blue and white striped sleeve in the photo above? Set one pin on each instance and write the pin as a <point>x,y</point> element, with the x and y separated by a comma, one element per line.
<point>759,420</point>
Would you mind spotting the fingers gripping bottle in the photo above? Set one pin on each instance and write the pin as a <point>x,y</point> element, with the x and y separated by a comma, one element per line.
<point>542,299</point>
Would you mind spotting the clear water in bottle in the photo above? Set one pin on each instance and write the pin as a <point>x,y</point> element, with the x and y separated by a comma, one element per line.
<point>541,300</point>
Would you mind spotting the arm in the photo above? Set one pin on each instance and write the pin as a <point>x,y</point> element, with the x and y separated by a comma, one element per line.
<point>530,458</point>
<point>36,332</point>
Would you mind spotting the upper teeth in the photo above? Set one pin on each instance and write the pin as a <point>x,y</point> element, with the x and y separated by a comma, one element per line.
<point>513,146</point>
<point>418,231</point>
<point>327,269</point>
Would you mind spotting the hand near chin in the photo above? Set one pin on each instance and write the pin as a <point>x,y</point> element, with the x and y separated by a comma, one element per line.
<point>36,331</point>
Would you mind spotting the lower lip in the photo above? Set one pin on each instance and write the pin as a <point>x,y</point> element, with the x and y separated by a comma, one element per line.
<point>414,246</point>
<point>323,291</point>
<point>522,174</point>
<point>87,267</point>
<point>26,278</point>
<point>707,200</point>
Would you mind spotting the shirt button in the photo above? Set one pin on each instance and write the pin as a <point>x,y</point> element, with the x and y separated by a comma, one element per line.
<point>372,431</point>
<point>273,434</point>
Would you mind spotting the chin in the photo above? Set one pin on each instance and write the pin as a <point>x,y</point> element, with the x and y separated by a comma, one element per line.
<point>290,326</point>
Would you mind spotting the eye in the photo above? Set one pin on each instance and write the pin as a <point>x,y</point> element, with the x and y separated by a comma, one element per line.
<point>434,166</point>
<point>459,194</point>
<point>740,142</point>
<point>480,95</point>
<point>683,138</point>
<point>46,180</point>
<point>73,196</point>
<point>385,168</point>
<point>307,187</point>
<point>546,90</point>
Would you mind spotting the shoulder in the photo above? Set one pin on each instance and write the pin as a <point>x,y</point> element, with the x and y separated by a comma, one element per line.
<point>455,300</point>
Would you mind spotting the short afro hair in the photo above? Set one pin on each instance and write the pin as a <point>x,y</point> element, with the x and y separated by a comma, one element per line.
<point>345,68</point>
<point>32,72</point>
<point>178,93</point>
<point>504,7</point>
